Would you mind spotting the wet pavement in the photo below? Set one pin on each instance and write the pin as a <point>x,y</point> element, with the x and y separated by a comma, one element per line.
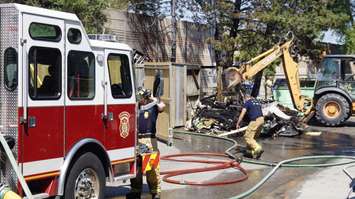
<point>286,183</point>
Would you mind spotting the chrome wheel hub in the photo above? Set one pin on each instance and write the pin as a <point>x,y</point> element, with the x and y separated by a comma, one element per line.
<point>87,185</point>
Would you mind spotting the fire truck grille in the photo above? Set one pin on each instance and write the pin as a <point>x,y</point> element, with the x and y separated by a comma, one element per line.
<point>8,99</point>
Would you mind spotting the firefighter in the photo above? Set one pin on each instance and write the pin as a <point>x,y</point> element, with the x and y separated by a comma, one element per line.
<point>252,108</point>
<point>6,193</point>
<point>149,108</point>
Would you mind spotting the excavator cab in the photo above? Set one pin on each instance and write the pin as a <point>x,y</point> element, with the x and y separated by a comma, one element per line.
<point>335,89</point>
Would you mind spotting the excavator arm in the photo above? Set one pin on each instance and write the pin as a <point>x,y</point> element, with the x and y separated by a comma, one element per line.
<point>248,70</point>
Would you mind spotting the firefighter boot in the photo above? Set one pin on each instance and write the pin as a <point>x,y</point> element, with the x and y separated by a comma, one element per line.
<point>257,152</point>
<point>155,196</point>
<point>133,195</point>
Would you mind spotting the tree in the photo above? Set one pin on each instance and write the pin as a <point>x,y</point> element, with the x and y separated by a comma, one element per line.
<point>349,40</point>
<point>89,11</point>
<point>120,4</point>
<point>253,26</point>
<point>306,19</point>
<point>250,27</point>
<point>224,18</point>
<point>349,33</point>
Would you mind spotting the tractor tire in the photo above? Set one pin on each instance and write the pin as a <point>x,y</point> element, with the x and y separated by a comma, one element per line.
<point>86,178</point>
<point>332,109</point>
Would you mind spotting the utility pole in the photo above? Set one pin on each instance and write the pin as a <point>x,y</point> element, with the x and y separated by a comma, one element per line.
<point>173,31</point>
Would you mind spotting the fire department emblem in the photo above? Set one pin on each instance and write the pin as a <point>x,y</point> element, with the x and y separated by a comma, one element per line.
<point>124,124</point>
<point>146,115</point>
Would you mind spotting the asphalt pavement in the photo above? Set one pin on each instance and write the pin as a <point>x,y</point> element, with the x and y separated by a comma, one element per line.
<point>290,183</point>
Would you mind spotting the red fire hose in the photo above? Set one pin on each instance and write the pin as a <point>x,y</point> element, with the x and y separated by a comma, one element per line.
<point>217,165</point>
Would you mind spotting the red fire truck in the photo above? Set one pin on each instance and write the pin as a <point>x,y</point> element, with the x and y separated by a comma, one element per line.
<point>68,102</point>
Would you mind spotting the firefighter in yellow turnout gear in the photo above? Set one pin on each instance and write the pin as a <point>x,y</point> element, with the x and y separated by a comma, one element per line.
<point>149,108</point>
<point>252,108</point>
<point>6,193</point>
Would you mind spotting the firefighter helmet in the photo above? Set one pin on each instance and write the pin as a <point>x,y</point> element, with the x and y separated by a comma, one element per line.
<point>143,93</point>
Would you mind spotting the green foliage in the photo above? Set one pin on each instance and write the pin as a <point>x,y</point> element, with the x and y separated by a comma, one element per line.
<point>270,71</point>
<point>89,11</point>
<point>263,23</point>
<point>119,4</point>
<point>253,26</point>
<point>306,19</point>
<point>350,40</point>
<point>223,16</point>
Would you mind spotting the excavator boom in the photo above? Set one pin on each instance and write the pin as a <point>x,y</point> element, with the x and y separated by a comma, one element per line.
<point>290,67</point>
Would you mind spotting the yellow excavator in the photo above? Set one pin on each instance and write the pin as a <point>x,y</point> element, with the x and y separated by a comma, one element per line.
<point>281,50</point>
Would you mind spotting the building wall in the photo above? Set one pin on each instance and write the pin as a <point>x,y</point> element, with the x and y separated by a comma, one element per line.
<point>152,36</point>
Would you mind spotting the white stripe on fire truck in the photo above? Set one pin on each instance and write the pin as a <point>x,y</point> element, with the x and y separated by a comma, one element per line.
<point>49,165</point>
<point>42,166</point>
<point>119,154</point>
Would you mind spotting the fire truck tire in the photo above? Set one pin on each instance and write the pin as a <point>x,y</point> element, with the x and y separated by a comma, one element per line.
<point>332,109</point>
<point>86,178</point>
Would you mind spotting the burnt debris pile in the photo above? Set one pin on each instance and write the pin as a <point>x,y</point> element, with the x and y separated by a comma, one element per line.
<point>215,118</point>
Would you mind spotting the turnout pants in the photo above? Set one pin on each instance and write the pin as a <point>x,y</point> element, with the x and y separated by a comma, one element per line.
<point>252,132</point>
<point>153,176</point>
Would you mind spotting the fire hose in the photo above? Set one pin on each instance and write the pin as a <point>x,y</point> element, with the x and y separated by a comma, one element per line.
<point>217,165</point>
<point>275,165</point>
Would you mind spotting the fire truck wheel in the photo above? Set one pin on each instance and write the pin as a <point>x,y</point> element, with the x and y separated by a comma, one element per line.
<point>86,178</point>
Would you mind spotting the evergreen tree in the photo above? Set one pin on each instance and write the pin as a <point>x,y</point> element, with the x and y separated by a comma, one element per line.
<point>251,27</point>
<point>89,11</point>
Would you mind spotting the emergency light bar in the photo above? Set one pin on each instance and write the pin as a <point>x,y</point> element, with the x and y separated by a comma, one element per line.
<point>103,37</point>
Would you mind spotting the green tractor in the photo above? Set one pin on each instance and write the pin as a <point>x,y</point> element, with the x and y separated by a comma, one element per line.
<point>334,96</point>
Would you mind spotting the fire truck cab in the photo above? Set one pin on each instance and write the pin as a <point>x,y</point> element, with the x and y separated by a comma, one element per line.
<point>68,101</point>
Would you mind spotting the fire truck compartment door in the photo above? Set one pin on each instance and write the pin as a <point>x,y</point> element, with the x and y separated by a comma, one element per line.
<point>43,70</point>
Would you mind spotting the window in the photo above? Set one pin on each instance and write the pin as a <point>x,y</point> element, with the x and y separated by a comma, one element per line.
<point>45,32</point>
<point>45,73</point>
<point>81,75</point>
<point>330,70</point>
<point>74,36</point>
<point>11,68</point>
<point>348,68</point>
<point>120,77</point>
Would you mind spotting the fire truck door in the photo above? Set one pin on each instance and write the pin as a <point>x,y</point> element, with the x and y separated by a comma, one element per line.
<point>83,111</point>
<point>42,99</point>
<point>120,125</point>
